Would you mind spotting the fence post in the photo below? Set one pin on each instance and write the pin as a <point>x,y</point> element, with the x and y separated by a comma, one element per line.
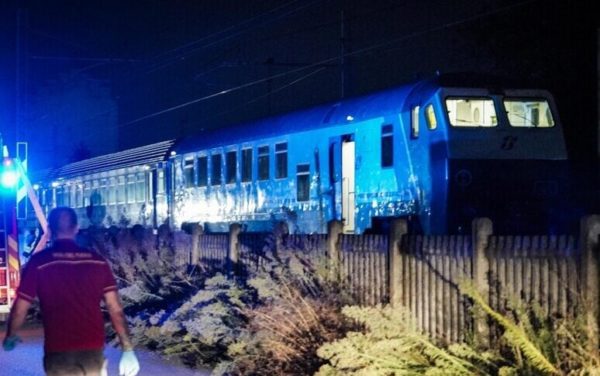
<point>233,257</point>
<point>197,231</point>
<point>589,240</point>
<point>483,228</point>
<point>398,229</point>
<point>334,229</point>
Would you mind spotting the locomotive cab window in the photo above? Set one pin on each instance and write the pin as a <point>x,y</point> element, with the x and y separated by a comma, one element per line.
<point>387,146</point>
<point>430,117</point>
<point>534,113</point>
<point>471,112</point>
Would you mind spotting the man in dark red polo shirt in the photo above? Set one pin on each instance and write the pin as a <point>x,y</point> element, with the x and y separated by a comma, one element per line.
<point>70,282</point>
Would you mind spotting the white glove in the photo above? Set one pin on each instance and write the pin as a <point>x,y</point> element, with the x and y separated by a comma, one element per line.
<point>129,365</point>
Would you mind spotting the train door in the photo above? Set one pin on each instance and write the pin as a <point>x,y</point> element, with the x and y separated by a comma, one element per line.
<point>348,184</point>
<point>158,181</point>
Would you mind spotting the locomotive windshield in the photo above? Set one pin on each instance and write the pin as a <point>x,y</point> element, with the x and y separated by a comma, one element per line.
<point>528,113</point>
<point>471,112</point>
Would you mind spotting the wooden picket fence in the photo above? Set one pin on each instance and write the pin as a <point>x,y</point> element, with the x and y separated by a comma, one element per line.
<point>423,273</point>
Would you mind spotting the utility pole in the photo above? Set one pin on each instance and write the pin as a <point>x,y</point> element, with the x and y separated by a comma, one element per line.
<point>18,75</point>
<point>342,56</point>
<point>20,69</point>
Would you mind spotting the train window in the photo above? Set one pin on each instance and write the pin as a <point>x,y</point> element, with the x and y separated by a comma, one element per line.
<point>95,186</point>
<point>387,146</point>
<point>130,193</point>
<point>230,161</point>
<point>188,172</point>
<point>246,165</point>
<point>263,163</point>
<point>70,192</point>
<point>73,195</point>
<point>65,195</point>
<point>216,165</point>
<point>430,117</point>
<point>120,189</point>
<point>528,113</point>
<point>60,197</point>
<point>104,190</point>
<point>202,171</point>
<point>140,187</point>
<point>414,122</point>
<point>86,192</point>
<point>110,196</point>
<point>281,161</point>
<point>48,197</point>
<point>303,182</point>
<point>471,112</point>
<point>79,195</point>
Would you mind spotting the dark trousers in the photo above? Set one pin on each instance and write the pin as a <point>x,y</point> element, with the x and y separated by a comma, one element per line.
<point>75,363</point>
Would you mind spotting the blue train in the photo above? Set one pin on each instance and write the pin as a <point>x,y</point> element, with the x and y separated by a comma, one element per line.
<point>438,152</point>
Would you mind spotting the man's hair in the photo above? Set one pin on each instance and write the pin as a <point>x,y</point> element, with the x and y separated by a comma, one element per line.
<point>62,221</point>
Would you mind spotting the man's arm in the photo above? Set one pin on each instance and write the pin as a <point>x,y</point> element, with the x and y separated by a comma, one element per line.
<point>117,317</point>
<point>129,364</point>
<point>18,312</point>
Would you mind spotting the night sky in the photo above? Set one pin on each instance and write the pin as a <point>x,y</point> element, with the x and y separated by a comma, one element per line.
<point>115,75</point>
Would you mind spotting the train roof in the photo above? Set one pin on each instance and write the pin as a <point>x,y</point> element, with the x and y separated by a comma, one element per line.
<point>335,113</point>
<point>143,155</point>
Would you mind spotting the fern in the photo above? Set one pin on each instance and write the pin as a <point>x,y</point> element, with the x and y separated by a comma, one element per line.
<point>392,345</point>
<point>513,333</point>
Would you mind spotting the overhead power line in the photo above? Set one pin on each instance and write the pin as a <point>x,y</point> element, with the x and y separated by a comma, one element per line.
<point>324,62</point>
<point>319,66</point>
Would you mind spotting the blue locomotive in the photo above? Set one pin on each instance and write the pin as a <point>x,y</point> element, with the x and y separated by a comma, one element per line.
<point>437,152</point>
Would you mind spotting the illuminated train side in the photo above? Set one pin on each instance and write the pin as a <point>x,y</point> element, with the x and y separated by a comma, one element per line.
<point>435,152</point>
<point>120,189</point>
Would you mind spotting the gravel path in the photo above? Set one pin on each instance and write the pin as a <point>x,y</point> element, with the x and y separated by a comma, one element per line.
<point>26,359</point>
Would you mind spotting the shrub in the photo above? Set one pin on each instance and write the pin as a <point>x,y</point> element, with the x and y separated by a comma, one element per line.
<point>151,274</point>
<point>199,329</point>
<point>297,311</point>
